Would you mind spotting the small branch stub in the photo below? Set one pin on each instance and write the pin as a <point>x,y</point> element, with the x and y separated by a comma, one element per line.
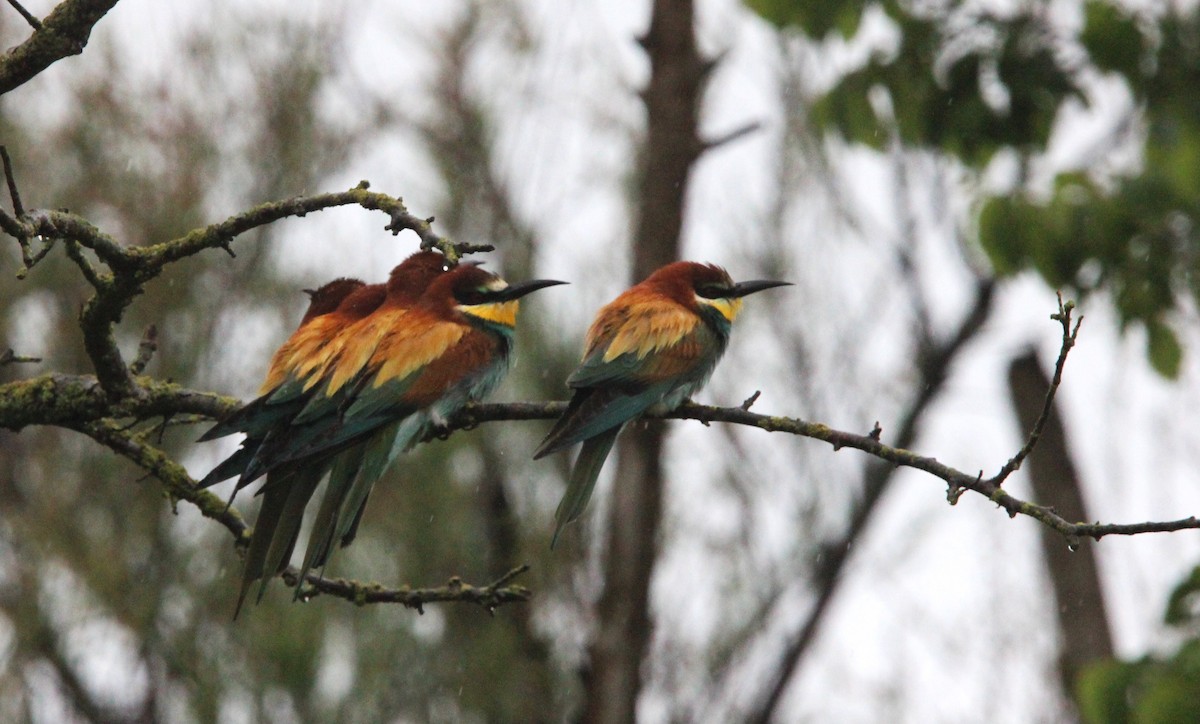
<point>8,357</point>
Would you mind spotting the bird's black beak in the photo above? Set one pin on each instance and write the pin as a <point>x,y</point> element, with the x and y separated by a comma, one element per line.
<point>744,289</point>
<point>520,289</point>
<point>309,292</point>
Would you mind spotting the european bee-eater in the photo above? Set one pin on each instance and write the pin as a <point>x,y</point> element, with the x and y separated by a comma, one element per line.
<point>328,299</point>
<point>651,348</point>
<point>284,395</point>
<point>283,392</point>
<point>387,379</point>
<point>454,346</point>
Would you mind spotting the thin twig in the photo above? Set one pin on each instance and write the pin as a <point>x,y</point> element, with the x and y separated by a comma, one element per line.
<point>730,136</point>
<point>29,18</point>
<point>85,265</point>
<point>1069,334</point>
<point>219,235</point>
<point>453,250</point>
<point>490,597</point>
<point>178,484</point>
<point>9,177</point>
<point>9,357</point>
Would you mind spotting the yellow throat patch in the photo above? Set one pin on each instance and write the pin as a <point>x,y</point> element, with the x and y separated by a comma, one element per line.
<point>504,313</point>
<point>728,308</point>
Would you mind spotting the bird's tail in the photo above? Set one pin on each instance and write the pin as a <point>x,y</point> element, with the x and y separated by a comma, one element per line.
<point>274,498</point>
<point>233,465</point>
<point>341,478</point>
<point>583,478</point>
<point>284,498</point>
<point>376,457</point>
<point>283,541</point>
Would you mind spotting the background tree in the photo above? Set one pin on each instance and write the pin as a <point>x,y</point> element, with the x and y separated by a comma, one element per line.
<point>986,91</point>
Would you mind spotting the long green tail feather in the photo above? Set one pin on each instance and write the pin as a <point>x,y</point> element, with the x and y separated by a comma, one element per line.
<point>583,478</point>
<point>260,539</point>
<point>352,532</point>
<point>341,478</point>
<point>375,458</point>
<point>299,492</point>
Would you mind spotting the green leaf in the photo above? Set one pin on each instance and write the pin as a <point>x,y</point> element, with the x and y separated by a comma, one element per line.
<point>816,19</point>
<point>1002,225</point>
<point>1173,149</point>
<point>1113,40</point>
<point>1170,698</point>
<point>1183,607</point>
<point>1162,346</point>
<point>1102,691</point>
<point>847,110</point>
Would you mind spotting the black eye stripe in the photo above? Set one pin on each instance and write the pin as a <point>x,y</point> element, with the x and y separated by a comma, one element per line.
<point>713,291</point>
<point>471,296</point>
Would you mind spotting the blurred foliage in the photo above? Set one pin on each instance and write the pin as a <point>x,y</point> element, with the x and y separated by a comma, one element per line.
<point>1138,236</point>
<point>968,82</point>
<point>963,80</point>
<point>818,19</point>
<point>1152,689</point>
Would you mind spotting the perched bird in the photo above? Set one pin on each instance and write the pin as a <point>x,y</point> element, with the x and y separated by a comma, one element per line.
<point>286,392</point>
<point>454,346</point>
<point>651,348</point>
<point>325,300</point>
<point>378,387</point>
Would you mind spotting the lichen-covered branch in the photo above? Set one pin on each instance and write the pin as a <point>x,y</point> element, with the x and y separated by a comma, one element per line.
<point>174,478</point>
<point>63,33</point>
<point>72,400</point>
<point>219,235</point>
<point>491,596</point>
<point>130,268</point>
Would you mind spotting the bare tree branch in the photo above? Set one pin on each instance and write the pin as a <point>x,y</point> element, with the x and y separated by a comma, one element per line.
<point>180,486</point>
<point>1069,333</point>
<point>491,596</point>
<point>29,18</point>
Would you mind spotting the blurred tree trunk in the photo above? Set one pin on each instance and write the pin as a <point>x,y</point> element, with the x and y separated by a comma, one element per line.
<point>1078,596</point>
<point>677,74</point>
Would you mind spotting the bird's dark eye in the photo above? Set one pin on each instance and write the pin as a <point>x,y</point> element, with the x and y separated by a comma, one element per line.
<point>471,297</point>
<point>712,291</point>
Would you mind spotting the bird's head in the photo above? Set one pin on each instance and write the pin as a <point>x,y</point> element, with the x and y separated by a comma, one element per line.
<point>411,277</point>
<point>706,286</point>
<point>326,298</point>
<point>478,293</point>
<point>362,301</point>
